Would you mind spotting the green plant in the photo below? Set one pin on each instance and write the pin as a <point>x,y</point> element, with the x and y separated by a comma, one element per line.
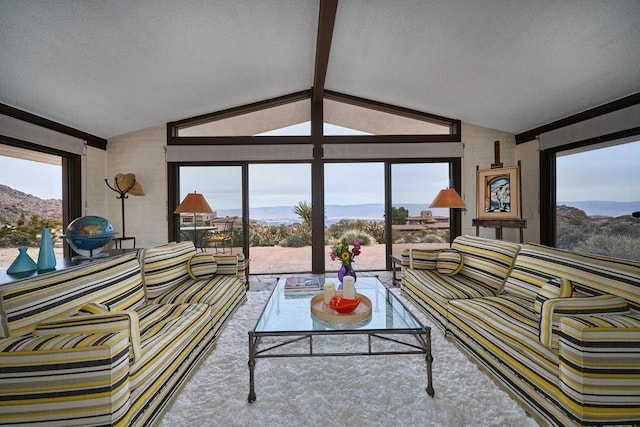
<point>399,215</point>
<point>304,211</point>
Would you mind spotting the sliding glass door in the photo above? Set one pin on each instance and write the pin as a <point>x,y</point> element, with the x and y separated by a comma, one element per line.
<point>413,223</point>
<point>354,209</point>
<point>280,218</point>
<point>221,187</point>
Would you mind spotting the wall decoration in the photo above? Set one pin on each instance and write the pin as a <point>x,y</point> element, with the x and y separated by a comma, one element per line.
<point>498,193</point>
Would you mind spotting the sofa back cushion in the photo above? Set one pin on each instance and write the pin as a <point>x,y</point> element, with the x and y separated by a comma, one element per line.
<point>165,267</point>
<point>591,275</point>
<point>115,282</point>
<point>486,260</point>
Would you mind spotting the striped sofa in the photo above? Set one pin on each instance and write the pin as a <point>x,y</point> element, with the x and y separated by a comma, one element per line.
<point>111,342</point>
<point>561,334</point>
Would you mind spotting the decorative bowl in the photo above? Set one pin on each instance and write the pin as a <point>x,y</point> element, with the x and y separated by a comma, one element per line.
<point>344,305</point>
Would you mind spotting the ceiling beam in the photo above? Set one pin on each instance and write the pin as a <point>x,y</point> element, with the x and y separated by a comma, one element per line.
<point>326,21</point>
<point>601,110</point>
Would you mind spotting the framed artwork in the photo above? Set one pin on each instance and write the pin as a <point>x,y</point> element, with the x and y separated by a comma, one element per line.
<point>498,193</point>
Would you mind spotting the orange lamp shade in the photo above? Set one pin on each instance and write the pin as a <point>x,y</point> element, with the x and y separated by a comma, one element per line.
<point>448,198</point>
<point>194,203</point>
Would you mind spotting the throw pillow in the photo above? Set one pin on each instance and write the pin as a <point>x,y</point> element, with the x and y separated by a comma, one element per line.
<point>449,262</point>
<point>202,266</point>
<point>554,288</point>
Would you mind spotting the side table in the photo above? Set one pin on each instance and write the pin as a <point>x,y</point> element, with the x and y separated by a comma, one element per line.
<point>396,261</point>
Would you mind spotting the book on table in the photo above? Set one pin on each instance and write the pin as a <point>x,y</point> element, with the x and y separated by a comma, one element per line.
<point>302,284</point>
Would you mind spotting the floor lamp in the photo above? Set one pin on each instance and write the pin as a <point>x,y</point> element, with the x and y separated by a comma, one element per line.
<point>194,203</point>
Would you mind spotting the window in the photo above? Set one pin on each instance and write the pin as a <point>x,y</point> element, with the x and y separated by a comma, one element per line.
<point>29,205</point>
<point>597,190</point>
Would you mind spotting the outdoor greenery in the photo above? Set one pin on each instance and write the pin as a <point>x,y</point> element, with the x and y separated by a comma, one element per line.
<point>614,237</point>
<point>26,232</point>
<point>365,232</point>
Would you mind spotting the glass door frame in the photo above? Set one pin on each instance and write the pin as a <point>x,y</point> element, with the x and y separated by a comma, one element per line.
<point>318,255</point>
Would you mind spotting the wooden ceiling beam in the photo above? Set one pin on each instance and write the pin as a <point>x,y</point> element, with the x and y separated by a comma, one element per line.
<point>326,21</point>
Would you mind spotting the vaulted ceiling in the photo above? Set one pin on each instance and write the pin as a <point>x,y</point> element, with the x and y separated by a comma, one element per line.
<point>111,67</point>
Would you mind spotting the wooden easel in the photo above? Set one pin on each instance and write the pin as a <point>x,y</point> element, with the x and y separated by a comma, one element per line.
<point>500,223</point>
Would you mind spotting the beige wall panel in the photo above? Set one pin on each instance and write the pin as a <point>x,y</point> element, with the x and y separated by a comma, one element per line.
<point>529,157</point>
<point>478,144</point>
<point>143,154</point>
<point>94,192</point>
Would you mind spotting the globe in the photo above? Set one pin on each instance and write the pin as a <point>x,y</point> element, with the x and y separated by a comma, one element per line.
<point>88,235</point>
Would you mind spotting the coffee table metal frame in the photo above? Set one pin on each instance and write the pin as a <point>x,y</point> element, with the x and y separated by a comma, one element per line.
<point>411,340</point>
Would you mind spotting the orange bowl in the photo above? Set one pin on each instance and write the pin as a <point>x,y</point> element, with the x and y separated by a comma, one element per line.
<point>344,305</point>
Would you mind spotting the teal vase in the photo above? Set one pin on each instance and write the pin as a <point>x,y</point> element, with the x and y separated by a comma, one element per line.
<point>46,257</point>
<point>23,263</point>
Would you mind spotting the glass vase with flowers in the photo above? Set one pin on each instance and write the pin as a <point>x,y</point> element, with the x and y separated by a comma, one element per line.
<point>346,255</point>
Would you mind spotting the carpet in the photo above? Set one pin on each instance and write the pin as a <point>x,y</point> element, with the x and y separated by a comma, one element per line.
<point>353,391</point>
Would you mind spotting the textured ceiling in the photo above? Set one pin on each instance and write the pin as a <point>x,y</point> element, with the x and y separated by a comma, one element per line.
<point>112,67</point>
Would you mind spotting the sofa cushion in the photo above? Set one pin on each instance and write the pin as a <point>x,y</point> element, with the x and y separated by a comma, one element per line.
<point>486,260</point>
<point>165,331</point>
<point>115,282</point>
<point>589,274</point>
<point>165,267</point>
<point>554,288</point>
<point>432,291</point>
<point>202,266</point>
<point>449,262</point>
<point>554,309</point>
<point>510,326</point>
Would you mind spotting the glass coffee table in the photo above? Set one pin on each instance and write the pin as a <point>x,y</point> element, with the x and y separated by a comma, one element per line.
<point>288,322</point>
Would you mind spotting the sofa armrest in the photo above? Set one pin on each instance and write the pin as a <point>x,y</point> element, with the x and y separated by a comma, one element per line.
<point>553,309</point>
<point>420,259</point>
<point>126,322</point>
<point>65,379</point>
<point>600,367</point>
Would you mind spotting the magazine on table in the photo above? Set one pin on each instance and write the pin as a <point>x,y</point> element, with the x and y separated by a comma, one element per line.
<point>302,284</point>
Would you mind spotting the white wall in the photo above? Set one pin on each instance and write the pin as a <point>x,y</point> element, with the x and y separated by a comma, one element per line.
<point>143,154</point>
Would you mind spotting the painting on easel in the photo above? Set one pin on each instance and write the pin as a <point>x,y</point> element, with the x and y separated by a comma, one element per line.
<point>498,193</point>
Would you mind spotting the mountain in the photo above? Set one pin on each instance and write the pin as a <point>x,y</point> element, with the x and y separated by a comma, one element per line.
<point>13,203</point>
<point>604,208</point>
<point>274,215</point>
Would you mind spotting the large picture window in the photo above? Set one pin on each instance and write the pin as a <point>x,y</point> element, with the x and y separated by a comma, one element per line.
<point>50,197</point>
<point>597,192</point>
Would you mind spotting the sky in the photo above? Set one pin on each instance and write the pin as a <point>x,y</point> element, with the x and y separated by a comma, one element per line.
<point>39,179</point>
<point>617,179</point>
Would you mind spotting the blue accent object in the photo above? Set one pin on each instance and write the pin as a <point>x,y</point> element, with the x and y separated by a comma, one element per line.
<point>88,235</point>
<point>23,263</point>
<point>46,256</point>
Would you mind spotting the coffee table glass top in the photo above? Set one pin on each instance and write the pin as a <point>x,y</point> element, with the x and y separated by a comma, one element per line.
<point>292,312</point>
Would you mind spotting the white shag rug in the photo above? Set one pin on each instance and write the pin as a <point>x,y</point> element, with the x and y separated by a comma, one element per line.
<point>346,391</point>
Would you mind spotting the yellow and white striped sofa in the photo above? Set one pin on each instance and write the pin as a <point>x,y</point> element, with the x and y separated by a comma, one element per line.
<point>561,335</point>
<point>111,342</point>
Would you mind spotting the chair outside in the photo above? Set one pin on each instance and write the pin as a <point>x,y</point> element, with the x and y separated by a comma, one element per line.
<point>221,237</point>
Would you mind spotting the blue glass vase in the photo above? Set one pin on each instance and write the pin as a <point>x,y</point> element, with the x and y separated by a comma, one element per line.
<point>46,256</point>
<point>23,263</point>
<point>346,270</point>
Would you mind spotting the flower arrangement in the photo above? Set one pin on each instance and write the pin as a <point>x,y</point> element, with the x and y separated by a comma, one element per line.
<point>342,253</point>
